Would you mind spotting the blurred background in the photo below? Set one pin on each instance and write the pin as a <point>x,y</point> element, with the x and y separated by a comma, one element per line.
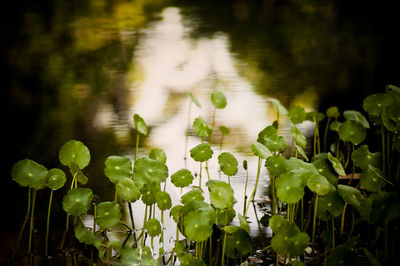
<point>81,69</point>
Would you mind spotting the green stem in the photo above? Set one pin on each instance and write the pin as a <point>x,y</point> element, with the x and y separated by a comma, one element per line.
<point>187,133</point>
<point>132,221</point>
<point>314,221</point>
<point>144,227</point>
<point>223,250</point>
<point>326,132</point>
<point>342,220</point>
<point>48,225</point>
<point>31,225</point>
<point>208,173</point>
<point>200,176</point>
<point>245,192</point>
<point>212,126</point>
<point>255,186</point>
<point>162,228</point>
<point>137,146</point>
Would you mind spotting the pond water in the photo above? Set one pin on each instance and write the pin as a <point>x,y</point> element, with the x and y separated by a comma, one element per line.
<point>80,71</point>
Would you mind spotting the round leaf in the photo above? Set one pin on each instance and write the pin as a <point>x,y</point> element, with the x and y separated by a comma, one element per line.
<point>389,123</point>
<point>56,179</point>
<point>224,130</point>
<point>153,227</point>
<point>374,104</point>
<point>84,235</point>
<point>148,170</point>
<point>352,131</point>
<point>199,225</point>
<point>333,112</point>
<point>356,116</point>
<point>269,137</point>
<point>335,126</point>
<point>176,212</point>
<point>297,114</point>
<point>362,157</point>
<point>182,178</point>
<point>221,194</point>
<point>260,150</point>
<point>324,168</point>
<point>298,136</point>
<point>238,244</point>
<point>77,173</point>
<point>228,163</point>
<point>330,206</point>
<point>130,256</point>
<point>315,116</point>
<point>127,190</point>
<point>149,192</point>
<point>225,217</point>
<point>201,152</point>
<point>201,128</point>
<point>140,125</point>
<point>77,201</point>
<point>279,107</point>
<point>336,165</point>
<point>158,154</point>
<point>163,200</point>
<point>118,168</point>
<point>276,164</point>
<point>192,195</point>
<point>76,152</point>
<point>289,188</point>
<point>108,214</point>
<point>319,184</point>
<point>218,99</point>
<point>29,173</point>
<point>371,181</point>
<point>350,195</point>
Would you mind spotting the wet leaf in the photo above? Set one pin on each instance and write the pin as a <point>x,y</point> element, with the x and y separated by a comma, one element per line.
<point>279,107</point>
<point>193,99</point>
<point>56,178</point>
<point>76,152</point>
<point>118,168</point>
<point>149,170</point>
<point>298,136</point>
<point>333,112</point>
<point>182,178</point>
<point>352,131</point>
<point>201,128</point>
<point>374,104</point>
<point>140,124</point>
<point>336,165</point>
<point>201,152</point>
<point>330,206</point>
<point>127,190</point>
<point>29,173</point>
<point>297,114</point>
<point>289,187</point>
<point>319,184</point>
<point>221,194</point>
<point>108,214</point>
<point>158,154</point>
<point>300,168</point>
<point>276,164</point>
<point>228,163</point>
<point>149,192</point>
<point>153,227</point>
<point>224,130</point>
<point>163,200</point>
<point>238,244</point>
<point>218,99</point>
<point>77,201</point>
<point>362,157</point>
<point>350,195</point>
<point>356,116</point>
<point>192,195</point>
<point>269,137</point>
<point>199,225</point>
<point>260,150</point>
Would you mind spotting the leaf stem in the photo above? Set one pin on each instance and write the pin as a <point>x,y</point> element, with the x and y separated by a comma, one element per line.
<point>255,186</point>
<point>314,221</point>
<point>31,225</point>
<point>48,225</point>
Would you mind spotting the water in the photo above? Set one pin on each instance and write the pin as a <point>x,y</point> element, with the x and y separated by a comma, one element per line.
<point>80,71</point>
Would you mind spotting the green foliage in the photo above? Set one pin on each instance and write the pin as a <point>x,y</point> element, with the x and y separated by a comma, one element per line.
<point>218,99</point>
<point>28,173</point>
<point>350,195</point>
<point>298,136</point>
<point>201,152</point>
<point>333,112</point>
<point>201,128</point>
<point>149,192</point>
<point>356,116</point>
<point>118,168</point>
<point>290,187</point>
<point>153,227</point>
<point>163,200</point>
<point>56,178</point>
<point>279,107</point>
<point>108,214</point>
<point>269,137</point>
<point>228,163</point>
<point>276,164</point>
<point>182,178</point>
<point>374,104</point>
<point>352,131</point>
<point>74,151</point>
<point>224,130</point>
<point>192,98</point>
<point>330,206</point>
<point>336,165</point>
<point>362,157</point>
<point>77,201</point>
<point>192,195</point>
<point>140,124</point>
<point>77,173</point>
<point>158,154</point>
<point>148,170</point>
<point>199,224</point>
<point>127,190</point>
<point>221,194</point>
<point>238,243</point>
<point>260,150</point>
<point>297,114</point>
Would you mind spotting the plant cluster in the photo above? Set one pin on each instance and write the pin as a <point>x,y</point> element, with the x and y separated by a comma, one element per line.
<point>340,205</point>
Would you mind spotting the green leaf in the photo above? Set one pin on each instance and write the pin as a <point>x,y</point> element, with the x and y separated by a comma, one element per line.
<point>371,181</point>
<point>163,200</point>
<point>224,130</point>
<point>302,152</point>
<point>243,223</point>
<point>201,152</point>
<point>77,201</point>
<point>182,178</point>
<point>218,99</point>
<point>77,173</point>
<point>76,152</point>
<point>192,195</point>
<point>108,214</point>
<point>298,136</point>
<point>326,169</point>
<point>228,163</point>
<point>147,257</point>
<point>238,243</point>
<point>193,99</point>
<point>352,131</point>
<point>300,168</point>
<point>185,259</point>
<point>118,168</point>
<point>176,212</point>
<point>149,192</point>
<point>279,107</point>
<point>356,116</point>
<point>390,124</point>
<point>350,195</point>
<point>269,137</point>
<point>127,190</point>
<point>140,125</point>
<point>158,154</point>
<point>297,114</point>
<point>335,126</point>
<point>336,165</point>
<point>130,256</point>
<point>153,227</point>
<point>315,116</point>
<point>260,150</point>
<point>333,112</point>
<point>148,170</point>
<point>29,173</point>
<point>199,225</point>
<point>289,188</point>
<point>319,184</point>
<point>56,178</point>
<point>362,157</point>
<point>201,128</point>
<point>225,217</point>
<point>276,164</point>
<point>221,194</point>
<point>329,206</point>
<point>374,104</point>
<point>84,235</point>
